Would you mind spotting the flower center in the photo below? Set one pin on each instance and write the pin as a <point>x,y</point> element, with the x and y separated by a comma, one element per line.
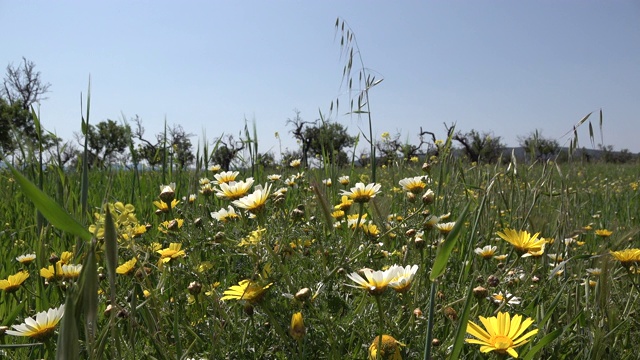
<point>502,343</point>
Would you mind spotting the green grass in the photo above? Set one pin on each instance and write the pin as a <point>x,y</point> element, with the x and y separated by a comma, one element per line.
<point>301,247</point>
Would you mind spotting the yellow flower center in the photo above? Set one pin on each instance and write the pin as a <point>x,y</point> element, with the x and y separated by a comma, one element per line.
<point>501,343</point>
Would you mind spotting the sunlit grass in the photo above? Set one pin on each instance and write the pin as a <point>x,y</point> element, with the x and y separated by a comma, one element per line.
<point>193,281</point>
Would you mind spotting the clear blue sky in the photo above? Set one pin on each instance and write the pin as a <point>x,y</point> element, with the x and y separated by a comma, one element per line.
<point>510,67</point>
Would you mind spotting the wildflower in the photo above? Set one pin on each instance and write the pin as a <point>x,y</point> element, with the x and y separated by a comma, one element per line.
<point>226,177</point>
<point>327,182</point>
<point>486,252</point>
<point>127,267</point>
<point>538,253</point>
<point>603,233</point>
<point>295,163</point>
<point>385,135</point>
<point>246,290</point>
<point>627,256</point>
<point>215,168</point>
<point>167,192</point>
<point>66,257</point>
<point>338,214</point>
<point>254,202</point>
<point>234,190</point>
<point>345,203</point>
<point>290,182</point>
<point>503,334</point>
<point>172,225</point>
<point>507,297</point>
<point>376,281</point>
<point>204,181</point>
<point>274,177</point>
<point>254,237</point>
<point>26,259</point>
<point>207,189</point>
<point>51,272</point>
<point>13,282</point>
<point>361,193</point>
<point>402,277</point>
<point>352,220</point>
<point>41,326</point>
<point>297,329</point>
<point>413,185</point>
<point>428,197</point>
<point>170,253</point>
<point>71,271</point>
<point>594,271</point>
<point>344,180</point>
<point>370,229</point>
<point>522,240</point>
<point>445,228</point>
<point>163,207</point>
<point>389,348</point>
<point>414,159</point>
<point>224,215</point>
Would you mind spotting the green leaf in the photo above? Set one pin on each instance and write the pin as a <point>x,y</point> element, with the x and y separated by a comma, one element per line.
<point>444,250</point>
<point>51,210</point>
<point>542,343</point>
<point>68,341</point>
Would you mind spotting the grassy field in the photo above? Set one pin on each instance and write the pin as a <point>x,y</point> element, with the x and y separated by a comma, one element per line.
<point>285,280</point>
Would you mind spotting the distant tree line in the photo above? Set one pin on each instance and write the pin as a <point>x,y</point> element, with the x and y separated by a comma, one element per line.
<point>110,142</point>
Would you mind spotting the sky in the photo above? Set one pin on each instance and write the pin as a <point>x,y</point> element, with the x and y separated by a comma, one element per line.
<point>505,67</point>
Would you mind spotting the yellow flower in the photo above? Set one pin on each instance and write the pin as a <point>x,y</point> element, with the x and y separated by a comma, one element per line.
<point>522,240</point>
<point>370,229</point>
<point>215,168</point>
<point>344,180</point>
<point>66,257</point>
<point>502,335</point>
<point>163,207</point>
<point>234,190</point>
<point>274,177</point>
<point>13,282</point>
<point>338,214</point>
<point>254,237</point>
<point>627,256</point>
<point>297,329</point>
<point>26,259</point>
<point>245,290</point>
<point>226,176</point>
<point>127,267</point>
<point>51,272</point>
<point>254,202</point>
<point>376,282</point>
<point>414,185</point>
<point>345,203</point>
<point>172,225</point>
<point>170,253</point>
<point>389,348</point>
<point>361,193</point>
<point>41,326</point>
<point>603,233</point>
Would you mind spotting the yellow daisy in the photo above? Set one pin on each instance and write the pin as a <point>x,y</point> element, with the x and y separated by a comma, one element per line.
<point>389,348</point>
<point>603,233</point>
<point>522,240</point>
<point>297,329</point>
<point>127,267</point>
<point>345,204</point>
<point>503,334</point>
<point>13,282</point>
<point>627,257</point>
<point>245,290</point>
<point>170,253</point>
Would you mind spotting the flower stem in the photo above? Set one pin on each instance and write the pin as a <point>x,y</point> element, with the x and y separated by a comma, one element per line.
<point>427,341</point>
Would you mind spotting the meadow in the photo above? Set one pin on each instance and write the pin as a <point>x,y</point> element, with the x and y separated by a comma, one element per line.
<point>294,263</point>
